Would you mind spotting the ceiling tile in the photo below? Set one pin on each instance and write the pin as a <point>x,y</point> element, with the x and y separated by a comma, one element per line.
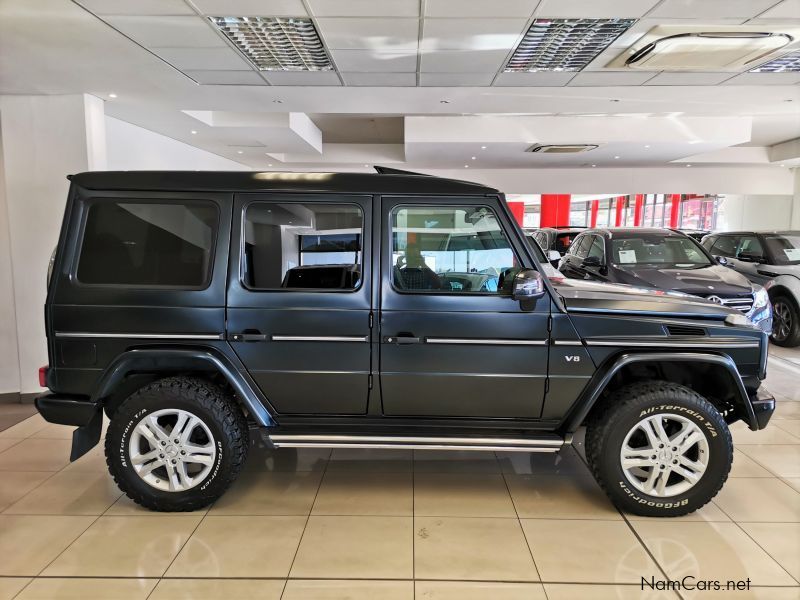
<point>764,79</point>
<point>203,58</point>
<point>370,33</point>
<point>251,8</point>
<point>226,77</point>
<point>302,78</point>
<point>601,78</point>
<point>689,78</point>
<point>381,79</point>
<point>168,32</point>
<point>598,9</point>
<point>456,79</point>
<point>464,61</point>
<point>788,9</point>
<point>709,9</point>
<point>364,8</point>
<point>479,8</point>
<point>542,78</point>
<point>140,7</point>
<point>374,61</point>
<point>471,34</point>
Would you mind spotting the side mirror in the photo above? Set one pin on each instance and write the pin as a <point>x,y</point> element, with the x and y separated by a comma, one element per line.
<point>554,256</point>
<point>528,285</point>
<point>591,261</point>
<point>722,260</point>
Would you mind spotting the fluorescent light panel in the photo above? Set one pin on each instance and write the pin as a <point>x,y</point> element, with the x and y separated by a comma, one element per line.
<point>788,63</point>
<point>276,43</point>
<point>565,44</point>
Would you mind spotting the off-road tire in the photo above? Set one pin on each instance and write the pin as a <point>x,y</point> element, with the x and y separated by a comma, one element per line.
<point>205,400</point>
<point>627,406</point>
<point>793,339</point>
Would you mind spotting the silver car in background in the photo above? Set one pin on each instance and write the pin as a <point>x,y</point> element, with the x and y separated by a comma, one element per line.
<point>772,259</point>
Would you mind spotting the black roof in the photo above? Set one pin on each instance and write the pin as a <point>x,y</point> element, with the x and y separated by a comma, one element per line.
<point>256,181</point>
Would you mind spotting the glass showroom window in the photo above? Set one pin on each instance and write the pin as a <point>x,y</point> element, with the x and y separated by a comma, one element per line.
<point>605,212</point>
<point>579,214</point>
<point>699,213</point>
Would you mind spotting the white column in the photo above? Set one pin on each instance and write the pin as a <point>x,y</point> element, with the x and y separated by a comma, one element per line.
<point>44,139</point>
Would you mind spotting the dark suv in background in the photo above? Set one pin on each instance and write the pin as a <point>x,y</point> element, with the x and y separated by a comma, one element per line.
<point>667,260</point>
<point>391,310</point>
<point>772,259</point>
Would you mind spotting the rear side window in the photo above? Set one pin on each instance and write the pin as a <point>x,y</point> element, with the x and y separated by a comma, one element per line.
<point>725,246</point>
<point>302,246</point>
<point>149,244</point>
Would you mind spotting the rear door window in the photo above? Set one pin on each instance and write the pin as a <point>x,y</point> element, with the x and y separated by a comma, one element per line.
<point>148,244</point>
<point>724,246</point>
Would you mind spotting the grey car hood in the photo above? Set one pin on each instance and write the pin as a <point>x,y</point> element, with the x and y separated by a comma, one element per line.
<point>592,296</point>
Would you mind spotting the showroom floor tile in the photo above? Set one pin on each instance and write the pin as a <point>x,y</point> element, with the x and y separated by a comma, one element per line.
<point>397,525</point>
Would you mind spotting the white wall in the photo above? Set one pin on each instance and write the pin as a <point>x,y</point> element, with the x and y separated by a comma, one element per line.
<point>9,359</point>
<point>133,148</point>
<point>796,203</point>
<point>755,212</point>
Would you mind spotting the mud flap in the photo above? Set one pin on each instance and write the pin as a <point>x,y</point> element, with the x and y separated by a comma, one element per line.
<point>87,436</point>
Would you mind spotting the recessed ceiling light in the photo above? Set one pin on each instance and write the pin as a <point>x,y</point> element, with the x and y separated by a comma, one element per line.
<point>483,147</point>
<point>239,152</point>
<point>444,101</point>
<point>647,145</point>
<point>783,165</point>
<point>688,165</point>
<point>276,43</point>
<point>269,165</point>
<point>466,166</point>
<point>367,166</point>
<point>695,141</point>
<point>194,132</point>
<point>616,158</point>
<point>474,157</point>
<point>112,95</point>
<point>564,44</point>
<point>594,165</point>
<point>788,63</point>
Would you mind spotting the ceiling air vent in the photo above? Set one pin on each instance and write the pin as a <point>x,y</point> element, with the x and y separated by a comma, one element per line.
<point>276,43</point>
<point>685,48</point>
<point>564,44</point>
<point>561,148</point>
<point>788,63</point>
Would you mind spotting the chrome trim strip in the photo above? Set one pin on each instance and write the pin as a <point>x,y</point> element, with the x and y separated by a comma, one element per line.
<point>143,336</point>
<point>488,342</point>
<point>414,440</point>
<point>319,338</point>
<point>673,343</point>
<point>567,343</point>
<point>416,447</point>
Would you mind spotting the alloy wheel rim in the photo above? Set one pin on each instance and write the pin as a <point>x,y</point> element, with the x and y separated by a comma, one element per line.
<point>172,450</point>
<point>664,455</point>
<point>782,325</point>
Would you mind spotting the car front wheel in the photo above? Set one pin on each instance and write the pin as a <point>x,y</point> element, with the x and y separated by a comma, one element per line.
<point>659,449</point>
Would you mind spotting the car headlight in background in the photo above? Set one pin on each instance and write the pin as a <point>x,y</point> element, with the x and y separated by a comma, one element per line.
<point>760,298</point>
<point>761,313</point>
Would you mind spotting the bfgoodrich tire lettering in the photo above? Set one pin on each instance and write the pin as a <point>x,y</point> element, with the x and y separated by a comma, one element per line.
<point>663,401</point>
<point>219,416</point>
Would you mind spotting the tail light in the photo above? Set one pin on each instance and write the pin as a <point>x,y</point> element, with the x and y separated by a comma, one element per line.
<point>43,376</point>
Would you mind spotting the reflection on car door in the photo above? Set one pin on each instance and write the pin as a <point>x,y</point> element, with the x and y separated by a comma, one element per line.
<point>450,346</point>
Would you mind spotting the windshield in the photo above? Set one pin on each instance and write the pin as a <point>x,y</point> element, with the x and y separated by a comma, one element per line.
<point>658,251</point>
<point>784,247</point>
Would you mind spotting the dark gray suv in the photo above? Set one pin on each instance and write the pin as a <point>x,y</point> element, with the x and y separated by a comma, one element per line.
<point>391,310</point>
<point>772,259</point>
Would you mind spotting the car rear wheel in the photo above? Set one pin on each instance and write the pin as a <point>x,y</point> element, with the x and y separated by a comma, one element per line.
<point>659,449</point>
<point>785,322</point>
<point>176,444</point>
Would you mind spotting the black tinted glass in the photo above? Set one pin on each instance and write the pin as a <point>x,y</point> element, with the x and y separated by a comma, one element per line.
<point>148,244</point>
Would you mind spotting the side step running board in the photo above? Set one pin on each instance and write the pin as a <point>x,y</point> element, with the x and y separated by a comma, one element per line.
<point>550,443</point>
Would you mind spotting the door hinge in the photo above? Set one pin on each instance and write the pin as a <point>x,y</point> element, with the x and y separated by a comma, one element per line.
<point>369,381</point>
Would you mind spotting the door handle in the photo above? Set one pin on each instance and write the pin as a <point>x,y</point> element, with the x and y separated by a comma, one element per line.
<point>249,335</point>
<point>404,338</point>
